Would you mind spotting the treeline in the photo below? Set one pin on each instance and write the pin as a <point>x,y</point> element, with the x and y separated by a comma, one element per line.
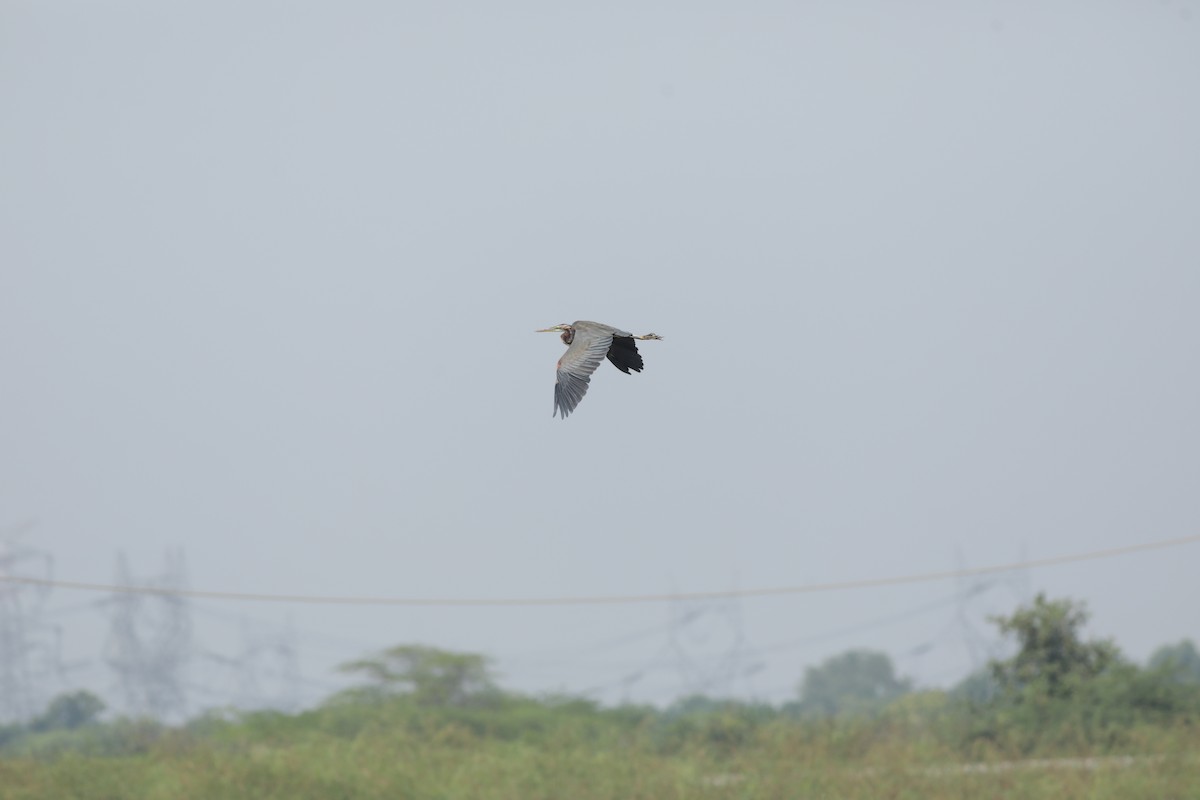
<point>1059,693</point>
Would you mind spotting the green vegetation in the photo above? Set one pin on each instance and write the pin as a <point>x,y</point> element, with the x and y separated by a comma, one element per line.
<point>853,683</point>
<point>1059,692</point>
<point>1064,717</point>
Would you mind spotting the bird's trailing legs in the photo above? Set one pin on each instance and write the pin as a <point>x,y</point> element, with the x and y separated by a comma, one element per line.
<point>648,336</point>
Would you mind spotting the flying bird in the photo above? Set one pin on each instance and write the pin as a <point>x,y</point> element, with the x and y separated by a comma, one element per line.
<point>589,343</point>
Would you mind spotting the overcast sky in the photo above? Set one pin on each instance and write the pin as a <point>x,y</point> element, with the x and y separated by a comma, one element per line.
<point>927,276</point>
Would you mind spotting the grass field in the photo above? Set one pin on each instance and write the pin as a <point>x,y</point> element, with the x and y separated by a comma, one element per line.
<point>1113,731</point>
<point>452,764</point>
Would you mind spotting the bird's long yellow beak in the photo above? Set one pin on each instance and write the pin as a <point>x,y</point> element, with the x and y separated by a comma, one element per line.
<point>555,329</point>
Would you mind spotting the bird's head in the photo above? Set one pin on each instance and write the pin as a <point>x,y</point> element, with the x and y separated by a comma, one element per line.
<point>568,332</point>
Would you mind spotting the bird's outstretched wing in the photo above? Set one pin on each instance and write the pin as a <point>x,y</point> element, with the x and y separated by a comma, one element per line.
<point>575,369</point>
<point>624,355</point>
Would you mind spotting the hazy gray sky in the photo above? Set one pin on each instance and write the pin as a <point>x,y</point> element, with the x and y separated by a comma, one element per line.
<point>928,277</point>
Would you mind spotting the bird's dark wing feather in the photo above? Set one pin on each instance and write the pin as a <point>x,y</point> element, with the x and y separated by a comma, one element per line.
<point>624,355</point>
<point>575,369</point>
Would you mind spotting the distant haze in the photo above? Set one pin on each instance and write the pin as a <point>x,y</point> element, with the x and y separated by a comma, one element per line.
<point>928,277</point>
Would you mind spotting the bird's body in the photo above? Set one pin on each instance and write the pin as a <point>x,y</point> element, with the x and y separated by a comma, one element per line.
<point>589,343</point>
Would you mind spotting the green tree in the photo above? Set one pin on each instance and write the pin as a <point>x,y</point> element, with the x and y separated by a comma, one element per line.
<point>855,682</point>
<point>67,712</point>
<point>1179,662</point>
<point>428,675</point>
<point>978,688</point>
<point>1052,659</point>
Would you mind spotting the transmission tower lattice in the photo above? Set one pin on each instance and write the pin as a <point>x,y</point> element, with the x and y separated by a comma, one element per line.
<point>149,645</point>
<point>29,650</point>
<point>708,641</point>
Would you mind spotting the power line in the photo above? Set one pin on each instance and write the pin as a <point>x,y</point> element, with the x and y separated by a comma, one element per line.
<point>851,630</point>
<point>584,600</point>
